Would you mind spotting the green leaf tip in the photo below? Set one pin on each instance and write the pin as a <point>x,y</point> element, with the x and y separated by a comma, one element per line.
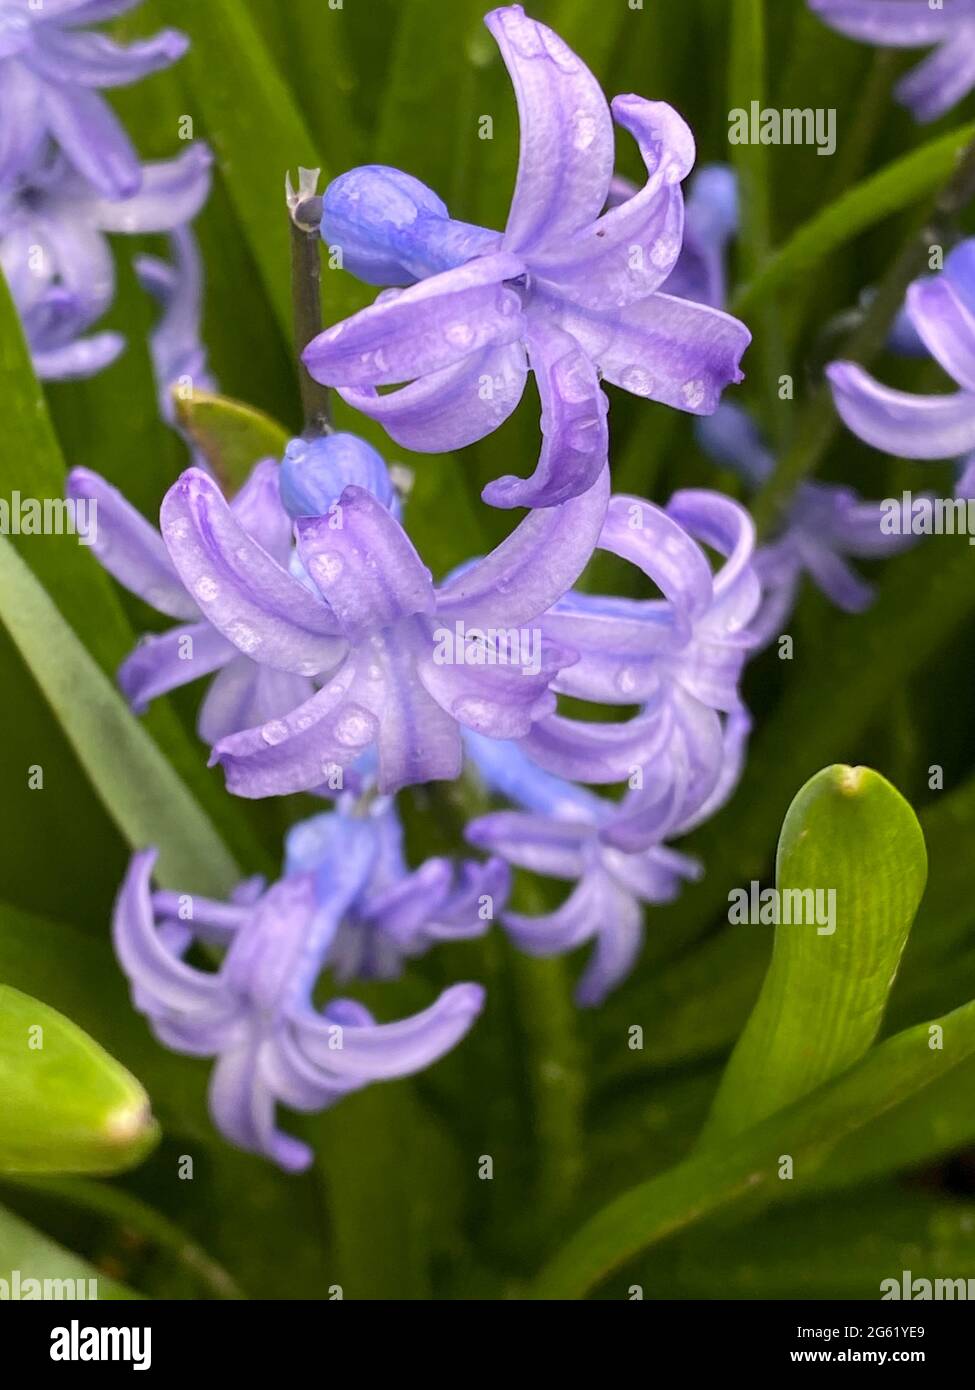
<point>231,435</point>
<point>66,1105</point>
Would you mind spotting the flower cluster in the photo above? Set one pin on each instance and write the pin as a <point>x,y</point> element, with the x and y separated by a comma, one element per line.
<point>342,666</point>
<point>69,174</point>
<point>945,77</point>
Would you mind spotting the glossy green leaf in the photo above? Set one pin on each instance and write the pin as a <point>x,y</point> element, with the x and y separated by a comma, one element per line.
<point>140,789</point>
<point>851,867</point>
<point>66,1106</point>
<point>747,1165</point>
<point>230,435</point>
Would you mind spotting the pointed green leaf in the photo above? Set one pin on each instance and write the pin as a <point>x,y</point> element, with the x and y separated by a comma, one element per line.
<point>746,1165</point>
<point>230,435</point>
<point>66,1106</point>
<point>148,801</point>
<point>851,867</point>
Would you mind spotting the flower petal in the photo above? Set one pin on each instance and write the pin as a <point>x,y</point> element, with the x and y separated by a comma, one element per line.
<point>366,567</point>
<point>425,328</point>
<point>505,694</point>
<point>451,408</point>
<point>242,590</point>
<point>566,157</point>
<point>93,138</point>
<point>944,78</point>
<point>537,843</point>
<point>245,694</point>
<point>21,123</point>
<point>671,350</point>
<point>171,193</point>
<point>130,548</point>
<point>946,326</point>
<point>905,425</point>
<point>575,437</point>
<point>162,663</point>
<point>630,250</point>
<point>382,1051</point>
<point>890,23</point>
<point>532,568</point>
<point>601,753</point>
<point>95,60</point>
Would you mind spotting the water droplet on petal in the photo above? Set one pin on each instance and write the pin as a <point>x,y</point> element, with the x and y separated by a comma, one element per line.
<point>243,637</point>
<point>459,334</point>
<point>353,729</point>
<point>327,567</point>
<point>693,393</point>
<point>584,131</point>
<point>636,379</point>
<point>275,732</point>
<point>206,589</point>
<point>626,681</point>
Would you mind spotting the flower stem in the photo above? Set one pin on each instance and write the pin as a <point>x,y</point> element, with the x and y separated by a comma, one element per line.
<point>305,213</point>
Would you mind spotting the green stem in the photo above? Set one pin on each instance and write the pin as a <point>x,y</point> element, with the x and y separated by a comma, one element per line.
<point>305,212</point>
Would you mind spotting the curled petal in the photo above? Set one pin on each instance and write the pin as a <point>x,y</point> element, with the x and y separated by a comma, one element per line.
<point>422,329</point>
<point>575,437</point>
<point>891,23</point>
<point>630,250</point>
<point>946,326</point>
<point>79,360</point>
<point>241,589</point>
<point>418,737</point>
<point>299,750</point>
<point>502,696</point>
<point>366,568</point>
<point>839,581</point>
<point>658,544</point>
<point>533,567</point>
<point>905,425</point>
<point>130,548</point>
<point>245,694</point>
<point>504,768</point>
<point>21,123</point>
<point>382,1051</point>
<point>171,193</point>
<point>95,60</point>
<point>451,408</point>
<point>600,753</point>
<point>566,158</point>
<point>258,508</point>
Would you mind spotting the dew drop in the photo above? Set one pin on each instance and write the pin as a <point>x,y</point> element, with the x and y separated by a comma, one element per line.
<point>459,334</point>
<point>275,732</point>
<point>206,589</point>
<point>584,132</point>
<point>327,567</point>
<point>636,379</point>
<point>693,393</point>
<point>353,729</point>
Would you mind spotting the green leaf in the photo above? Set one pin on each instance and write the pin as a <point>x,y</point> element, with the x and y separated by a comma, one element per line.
<point>746,1166</point>
<point>35,1256</point>
<point>144,795</point>
<point>851,857</point>
<point>66,1106</point>
<point>230,435</point>
<point>895,187</point>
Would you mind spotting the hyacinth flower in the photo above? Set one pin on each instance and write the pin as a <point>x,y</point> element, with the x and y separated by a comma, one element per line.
<point>942,310</point>
<point>944,78</point>
<point>398,914</point>
<point>255,1013</point>
<point>567,289</point>
<point>51,73</point>
<point>826,525</point>
<point>179,358</point>
<point>56,258</point>
<point>403,665</point>
<point>678,657</point>
<point>557,834</point>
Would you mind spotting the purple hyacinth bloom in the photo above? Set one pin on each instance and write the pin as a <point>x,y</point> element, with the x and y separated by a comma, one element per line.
<point>567,289</point>
<point>179,357</point>
<point>678,657</point>
<point>945,77</point>
<point>244,691</point>
<point>942,310</point>
<point>51,71</point>
<point>255,1013</point>
<point>558,835</point>
<point>56,258</point>
<point>398,914</point>
<point>315,473</point>
<point>825,526</point>
<point>403,665</point>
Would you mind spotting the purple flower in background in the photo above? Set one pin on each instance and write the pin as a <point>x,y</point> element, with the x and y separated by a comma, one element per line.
<point>403,665</point>
<point>244,691</point>
<point>941,80</point>
<point>825,525</point>
<point>567,289</point>
<point>942,310</point>
<point>57,261</point>
<point>558,834</point>
<point>254,1013</point>
<point>50,74</point>
<point>397,914</point>
<point>678,657</point>
<point>179,358</point>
